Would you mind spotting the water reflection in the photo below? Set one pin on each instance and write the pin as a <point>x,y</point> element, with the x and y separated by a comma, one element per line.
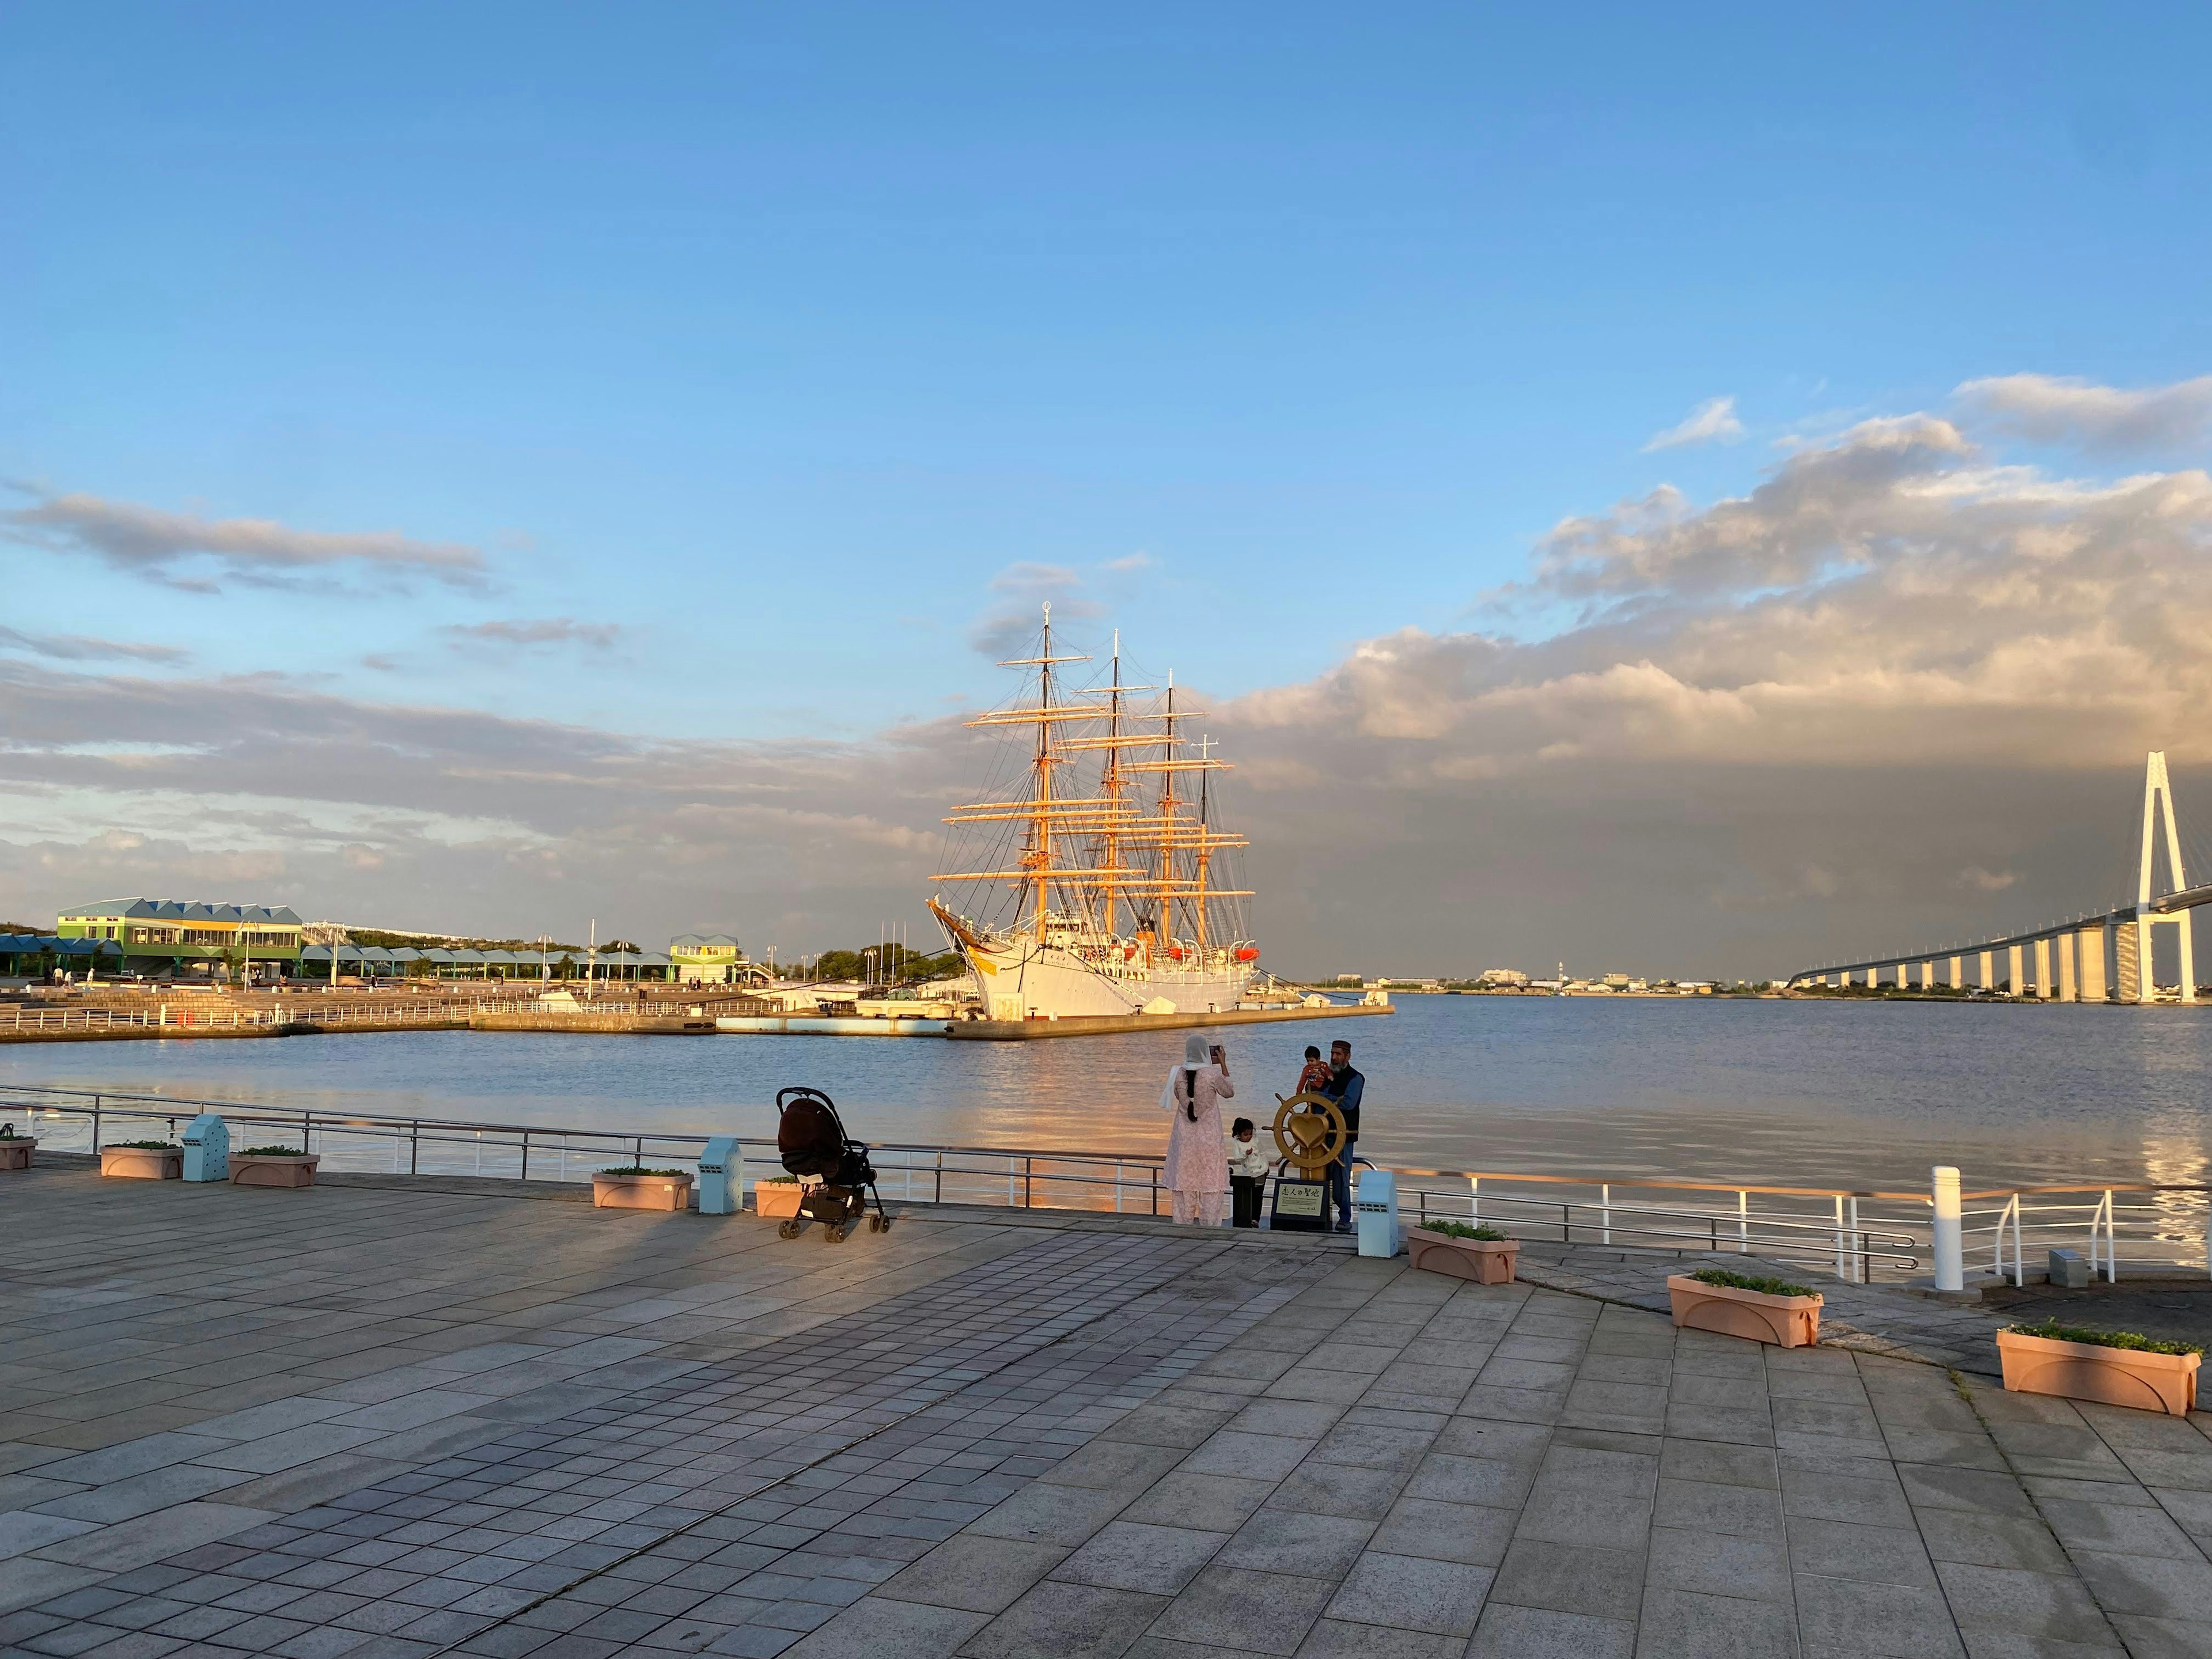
<point>1777,1093</point>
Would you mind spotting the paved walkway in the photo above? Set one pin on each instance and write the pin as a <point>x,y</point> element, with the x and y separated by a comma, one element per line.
<point>392,1423</point>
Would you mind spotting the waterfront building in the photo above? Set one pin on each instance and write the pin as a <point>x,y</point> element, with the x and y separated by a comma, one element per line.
<point>186,937</point>
<point>707,959</point>
<point>37,957</point>
<point>370,963</point>
<point>1503,976</point>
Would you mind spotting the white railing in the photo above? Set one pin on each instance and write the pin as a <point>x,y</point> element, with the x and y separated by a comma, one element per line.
<point>1016,1177</point>
<point>1808,1226</point>
<point>2152,1228</point>
<point>1859,1236</point>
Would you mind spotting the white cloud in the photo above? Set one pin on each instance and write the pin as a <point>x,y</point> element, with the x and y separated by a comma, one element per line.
<point>544,630</point>
<point>2057,410</point>
<point>1893,694</point>
<point>167,547</point>
<point>76,648</point>
<point>1025,588</point>
<point>1712,422</point>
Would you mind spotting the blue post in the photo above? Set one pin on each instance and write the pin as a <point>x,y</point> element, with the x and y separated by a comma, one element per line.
<point>1377,1207</point>
<point>721,1177</point>
<point>207,1149</point>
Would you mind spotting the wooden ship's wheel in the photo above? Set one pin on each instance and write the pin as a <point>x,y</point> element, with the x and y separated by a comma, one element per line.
<point>1309,1130</point>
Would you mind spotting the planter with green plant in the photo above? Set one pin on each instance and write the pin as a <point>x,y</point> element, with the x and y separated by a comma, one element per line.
<point>273,1166</point>
<point>143,1160</point>
<point>2114,1368</point>
<point>15,1150</point>
<point>1481,1253</point>
<point>634,1187</point>
<point>1741,1304</point>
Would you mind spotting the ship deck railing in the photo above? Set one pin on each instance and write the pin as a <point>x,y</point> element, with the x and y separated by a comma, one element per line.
<point>1859,1236</point>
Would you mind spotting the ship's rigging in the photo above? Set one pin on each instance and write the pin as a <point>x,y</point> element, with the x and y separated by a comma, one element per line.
<point>1097,839</point>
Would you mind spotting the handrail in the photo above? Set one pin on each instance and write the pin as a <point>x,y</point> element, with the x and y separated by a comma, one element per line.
<point>1681,1186</point>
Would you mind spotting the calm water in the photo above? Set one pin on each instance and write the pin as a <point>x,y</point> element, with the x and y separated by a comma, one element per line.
<point>1812,1093</point>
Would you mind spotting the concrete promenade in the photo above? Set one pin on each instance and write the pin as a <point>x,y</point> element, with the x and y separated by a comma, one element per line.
<point>394,1420</point>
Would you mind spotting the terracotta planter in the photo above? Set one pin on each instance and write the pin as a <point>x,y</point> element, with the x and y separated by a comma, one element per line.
<point>776,1197</point>
<point>272,1170</point>
<point>651,1192</point>
<point>15,1151</point>
<point>2112,1377</point>
<point>1787,1321</point>
<point>142,1163</point>
<point>1485,1260</point>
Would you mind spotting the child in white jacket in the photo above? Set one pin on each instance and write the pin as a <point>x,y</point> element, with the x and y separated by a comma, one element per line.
<point>1249,1163</point>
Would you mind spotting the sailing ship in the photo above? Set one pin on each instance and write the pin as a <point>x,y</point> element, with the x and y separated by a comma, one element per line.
<point>1095,880</point>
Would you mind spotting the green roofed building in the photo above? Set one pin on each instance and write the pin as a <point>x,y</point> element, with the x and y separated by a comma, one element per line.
<point>184,937</point>
<point>706,959</point>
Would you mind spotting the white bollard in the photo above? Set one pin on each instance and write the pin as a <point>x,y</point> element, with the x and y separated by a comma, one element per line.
<point>1950,1267</point>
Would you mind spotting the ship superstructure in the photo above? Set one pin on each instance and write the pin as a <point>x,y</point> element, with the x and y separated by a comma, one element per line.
<point>1095,881</point>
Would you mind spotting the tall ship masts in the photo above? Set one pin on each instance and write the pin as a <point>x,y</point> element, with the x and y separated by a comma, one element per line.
<point>1037,911</point>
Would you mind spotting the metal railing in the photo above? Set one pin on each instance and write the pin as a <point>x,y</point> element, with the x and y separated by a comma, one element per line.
<point>1808,1226</point>
<point>1016,1177</point>
<point>200,1014</point>
<point>1859,1236</point>
<point>2151,1227</point>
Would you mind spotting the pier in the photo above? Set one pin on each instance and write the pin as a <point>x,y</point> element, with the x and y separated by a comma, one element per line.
<point>160,1019</point>
<point>401,1417</point>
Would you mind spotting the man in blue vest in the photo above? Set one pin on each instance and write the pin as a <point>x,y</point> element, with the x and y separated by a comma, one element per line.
<point>1345,1086</point>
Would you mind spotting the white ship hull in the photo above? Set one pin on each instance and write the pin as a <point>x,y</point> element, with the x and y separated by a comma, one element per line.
<point>1029,980</point>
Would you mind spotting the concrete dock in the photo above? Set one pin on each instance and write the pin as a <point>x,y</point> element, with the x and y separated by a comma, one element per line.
<point>396,1418</point>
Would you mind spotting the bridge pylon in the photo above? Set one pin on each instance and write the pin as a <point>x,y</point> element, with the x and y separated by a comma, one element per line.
<point>2133,952</point>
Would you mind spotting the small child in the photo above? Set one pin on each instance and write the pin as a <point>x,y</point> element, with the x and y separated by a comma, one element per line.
<point>1316,1074</point>
<point>1247,1174</point>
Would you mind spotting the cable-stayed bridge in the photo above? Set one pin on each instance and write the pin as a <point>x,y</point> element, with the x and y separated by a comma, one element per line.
<point>2095,957</point>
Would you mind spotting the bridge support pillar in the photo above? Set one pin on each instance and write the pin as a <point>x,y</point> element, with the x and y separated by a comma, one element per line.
<point>2016,973</point>
<point>2089,963</point>
<point>1989,965</point>
<point>2133,952</point>
<point>2188,956</point>
<point>1927,975</point>
<point>2043,985</point>
<point>1958,973</point>
<point>2066,982</point>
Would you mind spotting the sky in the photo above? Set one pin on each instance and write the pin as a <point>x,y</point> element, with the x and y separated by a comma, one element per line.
<point>1697,494</point>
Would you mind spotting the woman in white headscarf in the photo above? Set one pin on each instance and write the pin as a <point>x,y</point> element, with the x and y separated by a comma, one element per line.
<point>1197,1168</point>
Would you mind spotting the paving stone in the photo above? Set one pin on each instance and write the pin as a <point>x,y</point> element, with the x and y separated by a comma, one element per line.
<point>1069,1621</point>
<point>1507,1631</point>
<point>1261,1612</point>
<point>1578,1578</point>
<point>1153,1560</point>
<point>1405,1592</point>
<point>974,1573</point>
<point>704,1442</point>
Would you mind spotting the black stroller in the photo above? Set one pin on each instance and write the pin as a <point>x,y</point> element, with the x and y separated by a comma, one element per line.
<point>813,1142</point>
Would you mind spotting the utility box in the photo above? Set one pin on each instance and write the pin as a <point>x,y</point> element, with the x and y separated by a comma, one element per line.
<point>1375,1204</point>
<point>721,1177</point>
<point>207,1149</point>
<point>2069,1270</point>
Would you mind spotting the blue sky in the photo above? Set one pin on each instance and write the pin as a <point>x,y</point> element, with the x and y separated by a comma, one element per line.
<point>749,352</point>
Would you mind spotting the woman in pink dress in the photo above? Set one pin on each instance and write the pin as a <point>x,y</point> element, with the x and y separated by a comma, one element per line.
<point>1197,1168</point>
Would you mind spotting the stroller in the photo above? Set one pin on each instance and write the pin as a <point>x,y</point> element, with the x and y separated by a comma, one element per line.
<point>813,1142</point>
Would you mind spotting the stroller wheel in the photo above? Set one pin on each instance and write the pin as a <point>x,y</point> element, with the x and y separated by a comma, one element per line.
<point>835,1235</point>
<point>788,1230</point>
<point>875,1224</point>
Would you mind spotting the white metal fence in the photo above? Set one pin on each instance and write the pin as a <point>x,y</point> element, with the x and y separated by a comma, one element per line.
<point>1857,1235</point>
<point>1862,1235</point>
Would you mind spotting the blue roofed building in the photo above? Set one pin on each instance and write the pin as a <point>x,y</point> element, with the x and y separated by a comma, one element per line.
<point>189,938</point>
